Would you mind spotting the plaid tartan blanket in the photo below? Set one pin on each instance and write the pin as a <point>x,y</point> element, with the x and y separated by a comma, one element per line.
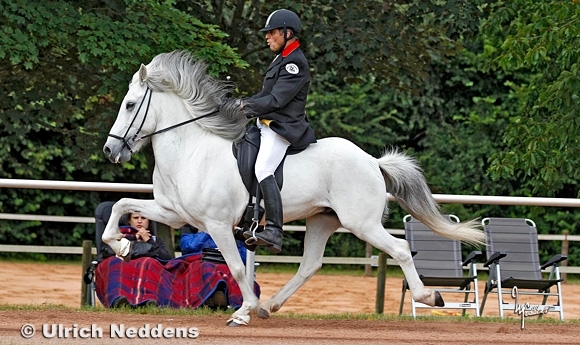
<point>180,282</point>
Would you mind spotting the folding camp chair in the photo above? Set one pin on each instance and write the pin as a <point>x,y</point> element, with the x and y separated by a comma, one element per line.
<point>102,215</point>
<point>513,261</point>
<point>438,261</point>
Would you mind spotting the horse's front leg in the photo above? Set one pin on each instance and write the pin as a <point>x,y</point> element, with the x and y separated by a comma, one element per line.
<point>318,229</point>
<point>148,208</point>
<point>223,237</point>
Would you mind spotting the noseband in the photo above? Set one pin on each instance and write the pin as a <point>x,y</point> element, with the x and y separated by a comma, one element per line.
<point>136,136</point>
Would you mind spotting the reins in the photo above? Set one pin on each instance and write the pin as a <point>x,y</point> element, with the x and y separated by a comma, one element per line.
<point>178,125</point>
<point>137,138</point>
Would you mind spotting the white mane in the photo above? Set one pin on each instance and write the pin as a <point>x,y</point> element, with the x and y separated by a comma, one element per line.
<point>181,73</point>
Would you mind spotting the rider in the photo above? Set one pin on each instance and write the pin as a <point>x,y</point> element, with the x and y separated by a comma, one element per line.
<point>280,109</point>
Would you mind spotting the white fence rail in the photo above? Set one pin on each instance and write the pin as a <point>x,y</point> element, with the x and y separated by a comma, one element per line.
<point>148,188</point>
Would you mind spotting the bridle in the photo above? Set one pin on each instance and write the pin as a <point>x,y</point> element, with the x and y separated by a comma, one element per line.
<point>136,136</point>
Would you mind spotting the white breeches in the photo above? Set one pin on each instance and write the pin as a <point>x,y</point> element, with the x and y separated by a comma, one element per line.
<point>272,150</point>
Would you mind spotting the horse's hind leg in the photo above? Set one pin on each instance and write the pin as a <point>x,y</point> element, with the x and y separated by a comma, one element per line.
<point>399,250</point>
<point>318,229</point>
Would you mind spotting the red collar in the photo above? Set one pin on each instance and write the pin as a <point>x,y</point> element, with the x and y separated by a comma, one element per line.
<point>290,48</point>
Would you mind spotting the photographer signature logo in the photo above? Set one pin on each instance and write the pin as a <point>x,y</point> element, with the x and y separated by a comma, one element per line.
<point>526,309</point>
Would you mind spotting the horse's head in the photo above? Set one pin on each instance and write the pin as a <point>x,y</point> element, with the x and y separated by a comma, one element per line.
<point>133,121</point>
<point>198,97</point>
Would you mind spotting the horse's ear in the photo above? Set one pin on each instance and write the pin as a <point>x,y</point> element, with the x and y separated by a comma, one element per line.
<point>142,74</point>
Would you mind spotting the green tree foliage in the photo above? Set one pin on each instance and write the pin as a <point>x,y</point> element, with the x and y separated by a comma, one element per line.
<point>541,142</point>
<point>345,41</point>
<point>360,113</point>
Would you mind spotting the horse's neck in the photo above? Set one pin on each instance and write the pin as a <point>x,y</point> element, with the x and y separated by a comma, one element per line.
<point>188,148</point>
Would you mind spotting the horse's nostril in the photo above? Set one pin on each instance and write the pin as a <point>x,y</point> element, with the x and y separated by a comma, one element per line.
<point>107,150</point>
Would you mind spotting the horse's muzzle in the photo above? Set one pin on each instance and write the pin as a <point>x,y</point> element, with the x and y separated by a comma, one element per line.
<point>116,153</point>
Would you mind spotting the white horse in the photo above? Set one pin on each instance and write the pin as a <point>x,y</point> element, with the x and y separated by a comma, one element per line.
<point>333,184</point>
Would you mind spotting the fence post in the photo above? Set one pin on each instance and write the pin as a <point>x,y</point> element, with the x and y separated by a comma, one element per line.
<point>86,262</point>
<point>381,282</point>
<point>565,246</point>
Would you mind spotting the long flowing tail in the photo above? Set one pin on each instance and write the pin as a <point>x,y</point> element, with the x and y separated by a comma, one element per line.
<point>406,183</point>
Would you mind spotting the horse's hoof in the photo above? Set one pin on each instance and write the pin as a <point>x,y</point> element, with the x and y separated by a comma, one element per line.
<point>439,300</point>
<point>263,313</point>
<point>232,323</point>
<point>236,321</point>
<point>125,253</point>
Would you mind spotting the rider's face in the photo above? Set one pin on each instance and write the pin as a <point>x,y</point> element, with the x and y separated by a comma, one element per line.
<point>275,39</point>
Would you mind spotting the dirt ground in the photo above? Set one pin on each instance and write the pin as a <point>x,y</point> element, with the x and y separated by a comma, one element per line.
<point>40,284</point>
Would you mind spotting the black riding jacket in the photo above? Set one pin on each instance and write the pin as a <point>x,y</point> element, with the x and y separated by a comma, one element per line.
<point>283,97</point>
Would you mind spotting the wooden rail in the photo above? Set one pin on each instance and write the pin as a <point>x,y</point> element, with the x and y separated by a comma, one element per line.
<point>339,260</point>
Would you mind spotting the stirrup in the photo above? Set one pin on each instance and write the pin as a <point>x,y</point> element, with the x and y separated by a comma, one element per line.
<point>271,244</point>
<point>252,240</point>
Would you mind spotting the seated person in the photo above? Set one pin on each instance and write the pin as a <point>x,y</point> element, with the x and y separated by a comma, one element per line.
<point>151,277</point>
<point>116,281</point>
<point>144,243</point>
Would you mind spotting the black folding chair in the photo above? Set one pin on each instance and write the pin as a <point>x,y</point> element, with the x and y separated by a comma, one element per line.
<point>439,262</point>
<point>514,261</point>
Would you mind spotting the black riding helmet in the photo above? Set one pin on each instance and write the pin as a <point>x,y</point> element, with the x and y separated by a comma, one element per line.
<point>283,19</point>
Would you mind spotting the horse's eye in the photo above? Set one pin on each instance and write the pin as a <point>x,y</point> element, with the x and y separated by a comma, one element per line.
<point>130,105</point>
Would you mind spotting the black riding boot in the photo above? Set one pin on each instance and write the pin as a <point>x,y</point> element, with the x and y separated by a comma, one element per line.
<point>271,237</point>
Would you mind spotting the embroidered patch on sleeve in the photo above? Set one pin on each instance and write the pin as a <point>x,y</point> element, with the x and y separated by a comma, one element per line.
<point>292,68</point>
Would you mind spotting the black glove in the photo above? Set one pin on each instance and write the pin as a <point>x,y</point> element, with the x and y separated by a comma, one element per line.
<point>247,109</point>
